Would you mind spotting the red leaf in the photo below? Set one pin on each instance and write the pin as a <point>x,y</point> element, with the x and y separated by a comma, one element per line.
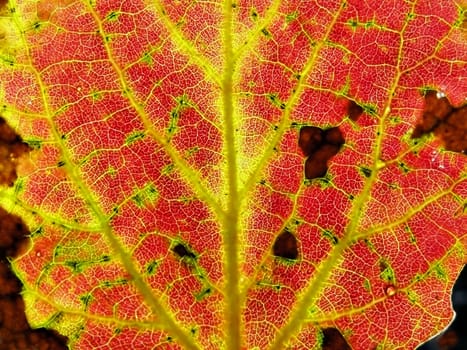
<point>238,175</point>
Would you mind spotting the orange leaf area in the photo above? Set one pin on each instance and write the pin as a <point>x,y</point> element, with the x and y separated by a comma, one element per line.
<point>239,174</point>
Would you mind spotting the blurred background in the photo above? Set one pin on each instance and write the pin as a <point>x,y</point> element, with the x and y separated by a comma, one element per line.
<point>455,337</point>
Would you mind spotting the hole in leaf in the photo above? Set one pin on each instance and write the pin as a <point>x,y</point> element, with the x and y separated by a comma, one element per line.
<point>15,332</point>
<point>319,146</point>
<point>11,148</point>
<point>334,136</point>
<point>182,251</point>
<point>365,171</point>
<point>311,138</point>
<point>354,110</point>
<point>446,121</point>
<point>285,246</point>
<point>317,164</point>
<point>334,340</point>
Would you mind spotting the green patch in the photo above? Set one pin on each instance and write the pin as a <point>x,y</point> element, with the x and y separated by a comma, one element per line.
<point>36,25</point>
<point>183,100</point>
<point>330,236</point>
<point>365,171</point>
<point>369,244</point>
<point>412,238</point>
<point>96,96</point>
<point>151,267</point>
<point>19,186</point>
<point>147,58</point>
<point>167,169</point>
<point>134,136</point>
<point>192,150</point>
<point>39,231</point>
<point>369,109</point>
<point>7,60</point>
<point>367,285</point>
<point>254,14</point>
<point>86,299</point>
<point>145,196</point>
<point>182,103</point>
<point>112,16</point>
<point>323,182</point>
<point>344,90</point>
<point>353,24</point>
<point>117,282</point>
<point>440,272</point>
<point>203,294</point>
<point>413,297</point>
<point>54,319</point>
<point>75,266</point>
<point>461,18</point>
<point>266,32</point>
<point>34,143</point>
<point>291,17</point>
<point>276,101</point>
<point>404,167</point>
<point>387,273</point>
<point>112,171</point>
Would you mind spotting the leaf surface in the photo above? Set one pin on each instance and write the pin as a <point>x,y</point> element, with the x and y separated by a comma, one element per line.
<point>168,195</point>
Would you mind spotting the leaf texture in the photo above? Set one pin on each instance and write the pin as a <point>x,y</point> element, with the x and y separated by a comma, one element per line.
<point>168,195</point>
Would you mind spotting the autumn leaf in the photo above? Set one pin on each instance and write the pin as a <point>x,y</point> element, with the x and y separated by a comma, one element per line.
<point>238,175</point>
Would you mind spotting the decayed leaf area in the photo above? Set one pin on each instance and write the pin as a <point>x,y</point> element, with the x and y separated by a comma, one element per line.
<point>15,332</point>
<point>239,174</point>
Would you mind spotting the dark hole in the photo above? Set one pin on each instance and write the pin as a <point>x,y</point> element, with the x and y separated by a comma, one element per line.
<point>15,332</point>
<point>366,172</point>
<point>11,147</point>
<point>314,168</point>
<point>334,340</point>
<point>316,164</point>
<point>445,121</point>
<point>354,111</point>
<point>182,251</point>
<point>319,146</point>
<point>310,139</point>
<point>285,246</point>
<point>334,136</point>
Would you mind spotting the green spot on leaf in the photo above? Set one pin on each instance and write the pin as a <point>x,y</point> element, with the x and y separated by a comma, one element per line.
<point>330,236</point>
<point>86,300</point>
<point>203,294</point>
<point>135,136</point>
<point>112,16</point>
<point>387,273</point>
<point>291,17</point>
<point>365,171</point>
<point>151,267</point>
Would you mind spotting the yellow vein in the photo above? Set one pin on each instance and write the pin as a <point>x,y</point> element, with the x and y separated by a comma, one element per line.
<point>186,46</point>
<point>410,213</point>
<point>262,24</point>
<point>231,227</point>
<point>308,297</point>
<point>156,306</point>
<point>149,324</point>
<point>284,122</point>
<point>192,177</point>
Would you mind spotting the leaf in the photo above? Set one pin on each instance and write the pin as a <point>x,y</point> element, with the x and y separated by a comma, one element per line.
<point>167,192</point>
